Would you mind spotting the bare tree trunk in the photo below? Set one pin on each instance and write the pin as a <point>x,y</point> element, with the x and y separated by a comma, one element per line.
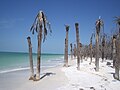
<point>65,54</point>
<point>80,46</point>
<point>111,52</point>
<point>78,50</point>
<point>39,54</point>
<point>114,50</point>
<point>66,46</point>
<point>117,61</point>
<point>90,52</point>
<point>97,52</point>
<point>102,54</point>
<point>75,50</point>
<point>31,59</point>
<point>103,48</point>
<point>71,51</point>
<point>91,49</point>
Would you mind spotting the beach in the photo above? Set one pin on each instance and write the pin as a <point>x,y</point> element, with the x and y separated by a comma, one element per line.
<point>14,71</point>
<point>88,79</point>
<point>19,80</point>
<point>64,78</point>
<point>60,45</point>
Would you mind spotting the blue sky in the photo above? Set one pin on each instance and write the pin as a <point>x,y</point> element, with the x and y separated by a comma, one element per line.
<point>17,16</point>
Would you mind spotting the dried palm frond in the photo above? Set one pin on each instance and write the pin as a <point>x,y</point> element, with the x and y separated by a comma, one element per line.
<point>93,35</point>
<point>40,21</point>
<point>117,20</point>
<point>49,27</point>
<point>99,24</point>
<point>44,24</point>
<point>67,27</point>
<point>34,26</point>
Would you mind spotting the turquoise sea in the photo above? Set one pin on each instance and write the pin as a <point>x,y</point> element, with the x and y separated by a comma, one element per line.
<point>13,61</point>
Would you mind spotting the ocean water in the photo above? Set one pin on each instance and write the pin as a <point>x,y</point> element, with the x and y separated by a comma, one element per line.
<point>11,61</point>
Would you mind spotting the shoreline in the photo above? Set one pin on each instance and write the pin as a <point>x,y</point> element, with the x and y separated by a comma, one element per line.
<point>53,78</point>
<point>64,78</point>
<point>20,61</point>
<point>26,68</point>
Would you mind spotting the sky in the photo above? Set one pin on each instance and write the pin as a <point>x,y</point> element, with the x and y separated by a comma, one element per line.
<point>17,16</point>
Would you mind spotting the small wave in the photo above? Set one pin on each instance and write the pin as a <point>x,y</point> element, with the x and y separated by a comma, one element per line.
<point>55,60</point>
<point>13,70</point>
<point>49,66</point>
<point>26,68</point>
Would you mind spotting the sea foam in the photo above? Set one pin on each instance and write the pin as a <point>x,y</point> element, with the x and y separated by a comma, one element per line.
<point>13,70</point>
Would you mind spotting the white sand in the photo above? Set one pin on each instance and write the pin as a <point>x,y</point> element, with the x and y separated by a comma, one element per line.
<point>62,78</point>
<point>88,79</point>
<point>19,80</point>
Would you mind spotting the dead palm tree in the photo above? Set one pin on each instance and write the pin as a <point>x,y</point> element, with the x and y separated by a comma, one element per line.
<point>78,49</point>
<point>40,25</point>
<point>103,48</point>
<point>91,48</point>
<point>31,59</point>
<point>114,49</point>
<point>65,54</point>
<point>117,20</point>
<point>114,45</point>
<point>71,50</point>
<point>75,51</point>
<point>117,62</point>
<point>99,24</point>
<point>66,46</point>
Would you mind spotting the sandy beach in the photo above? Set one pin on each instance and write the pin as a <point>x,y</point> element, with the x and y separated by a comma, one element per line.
<point>88,79</point>
<point>48,45</point>
<point>64,78</point>
<point>51,79</point>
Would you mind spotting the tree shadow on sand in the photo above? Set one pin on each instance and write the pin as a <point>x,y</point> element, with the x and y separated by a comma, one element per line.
<point>47,74</point>
<point>113,77</point>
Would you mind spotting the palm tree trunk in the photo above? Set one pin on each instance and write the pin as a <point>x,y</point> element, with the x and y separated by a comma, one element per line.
<point>117,61</point>
<point>65,54</point>
<point>39,54</point>
<point>114,51</point>
<point>78,50</point>
<point>80,46</point>
<point>103,53</point>
<point>90,52</point>
<point>97,52</point>
<point>31,59</point>
<point>103,48</point>
<point>75,50</point>
<point>66,47</point>
<point>71,51</point>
